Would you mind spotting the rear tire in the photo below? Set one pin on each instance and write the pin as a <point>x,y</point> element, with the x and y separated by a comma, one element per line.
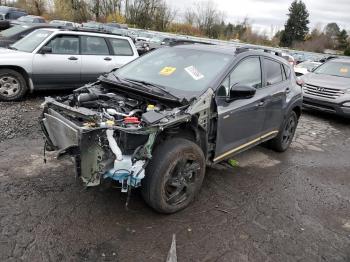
<point>174,176</point>
<point>13,86</point>
<point>286,134</point>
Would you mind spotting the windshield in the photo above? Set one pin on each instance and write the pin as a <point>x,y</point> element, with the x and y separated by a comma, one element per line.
<point>14,30</point>
<point>31,41</point>
<point>2,17</point>
<point>25,19</point>
<point>334,68</point>
<point>146,35</point>
<point>180,71</point>
<point>156,40</point>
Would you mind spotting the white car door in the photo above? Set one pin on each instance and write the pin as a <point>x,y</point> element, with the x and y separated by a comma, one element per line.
<point>123,51</point>
<point>96,58</point>
<point>60,65</point>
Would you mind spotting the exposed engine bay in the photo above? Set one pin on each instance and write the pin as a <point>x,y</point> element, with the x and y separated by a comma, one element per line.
<point>110,133</point>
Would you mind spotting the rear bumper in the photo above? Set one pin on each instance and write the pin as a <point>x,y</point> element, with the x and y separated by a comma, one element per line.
<point>325,106</point>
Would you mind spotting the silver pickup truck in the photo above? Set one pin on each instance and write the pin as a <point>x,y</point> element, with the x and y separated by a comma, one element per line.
<point>53,58</point>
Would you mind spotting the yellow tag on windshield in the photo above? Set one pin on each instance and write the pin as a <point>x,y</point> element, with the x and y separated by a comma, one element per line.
<point>167,71</point>
<point>344,70</point>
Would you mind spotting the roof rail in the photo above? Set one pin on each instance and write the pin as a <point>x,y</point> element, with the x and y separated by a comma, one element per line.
<point>90,30</point>
<point>257,48</point>
<point>187,42</point>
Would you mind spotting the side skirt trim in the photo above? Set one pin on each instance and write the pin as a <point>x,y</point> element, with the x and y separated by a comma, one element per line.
<point>245,145</point>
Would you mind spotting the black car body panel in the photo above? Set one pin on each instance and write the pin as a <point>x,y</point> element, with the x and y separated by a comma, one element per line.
<point>117,118</point>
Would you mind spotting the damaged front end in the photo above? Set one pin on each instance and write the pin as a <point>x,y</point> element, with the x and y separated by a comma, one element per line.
<point>109,134</point>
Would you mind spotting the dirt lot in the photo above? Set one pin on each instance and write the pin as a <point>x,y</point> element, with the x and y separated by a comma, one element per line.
<point>273,207</point>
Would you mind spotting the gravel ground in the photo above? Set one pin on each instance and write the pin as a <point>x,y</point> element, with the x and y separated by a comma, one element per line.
<point>20,119</point>
<point>273,207</point>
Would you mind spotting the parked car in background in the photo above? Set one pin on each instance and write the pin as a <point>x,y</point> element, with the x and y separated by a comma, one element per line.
<point>289,58</point>
<point>306,67</point>
<point>28,19</point>
<point>92,25</point>
<point>327,88</point>
<point>9,14</point>
<point>17,32</point>
<point>327,58</point>
<point>116,25</point>
<point>66,24</point>
<point>144,36</point>
<point>158,121</point>
<point>59,59</point>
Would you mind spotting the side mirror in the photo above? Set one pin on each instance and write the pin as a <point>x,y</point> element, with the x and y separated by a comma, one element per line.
<point>46,50</point>
<point>241,92</point>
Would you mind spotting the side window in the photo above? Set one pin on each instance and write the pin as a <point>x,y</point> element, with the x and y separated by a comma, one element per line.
<point>224,89</point>
<point>65,45</point>
<point>248,73</point>
<point>273,72</point>
<point>13,16</point>
<point>121,47</point>
<point>92,45</point>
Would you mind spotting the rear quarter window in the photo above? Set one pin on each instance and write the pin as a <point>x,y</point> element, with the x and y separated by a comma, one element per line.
<point>273,71</point>
<point>121,47</point>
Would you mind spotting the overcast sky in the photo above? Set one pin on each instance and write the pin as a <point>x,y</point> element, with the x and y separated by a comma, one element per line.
<point>265,14</point>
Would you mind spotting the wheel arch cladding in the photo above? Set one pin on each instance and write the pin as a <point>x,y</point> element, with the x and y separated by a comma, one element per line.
<point>186,131</point>
<point>297,110</point>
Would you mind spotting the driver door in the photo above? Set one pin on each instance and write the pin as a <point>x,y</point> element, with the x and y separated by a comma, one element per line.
<point>62,67</point>
<point>240,122</point>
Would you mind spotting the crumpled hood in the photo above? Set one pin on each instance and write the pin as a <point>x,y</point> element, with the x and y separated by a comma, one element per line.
<point>327,81</point>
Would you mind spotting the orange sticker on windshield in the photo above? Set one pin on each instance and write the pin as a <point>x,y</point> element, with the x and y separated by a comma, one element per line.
<point>344,70</point>
<point>167,71</point>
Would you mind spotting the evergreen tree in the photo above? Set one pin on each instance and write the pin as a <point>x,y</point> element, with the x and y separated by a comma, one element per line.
<point>343,40</point>
<point>296,27</point>
<point>332,30</point>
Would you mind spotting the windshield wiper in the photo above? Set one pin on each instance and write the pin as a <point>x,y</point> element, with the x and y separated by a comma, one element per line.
<point>12,48</point>
<point>148,84</point>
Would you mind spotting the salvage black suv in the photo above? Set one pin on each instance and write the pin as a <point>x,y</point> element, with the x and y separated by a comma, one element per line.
<point>157,122</point>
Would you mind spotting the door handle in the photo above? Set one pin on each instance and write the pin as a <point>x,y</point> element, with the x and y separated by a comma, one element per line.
<point>260,103</point>
<point>73,58</point>
<point>107,59</point>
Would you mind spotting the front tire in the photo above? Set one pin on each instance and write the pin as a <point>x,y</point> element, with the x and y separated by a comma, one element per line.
<point>174,176</point>
<point>12,85</point>
<point>286,134</point>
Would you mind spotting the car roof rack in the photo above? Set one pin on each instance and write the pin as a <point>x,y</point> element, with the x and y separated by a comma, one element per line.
<point>91,30</point>
<point>258,48</point>
<point>187,42</point>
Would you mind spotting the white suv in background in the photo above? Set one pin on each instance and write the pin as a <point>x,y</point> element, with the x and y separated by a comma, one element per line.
<point>60,59</point>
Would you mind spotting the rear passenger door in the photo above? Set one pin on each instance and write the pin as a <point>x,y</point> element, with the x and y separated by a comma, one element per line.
<point>276,86</point>
<point>122,52</point>
<point>96,58</point>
